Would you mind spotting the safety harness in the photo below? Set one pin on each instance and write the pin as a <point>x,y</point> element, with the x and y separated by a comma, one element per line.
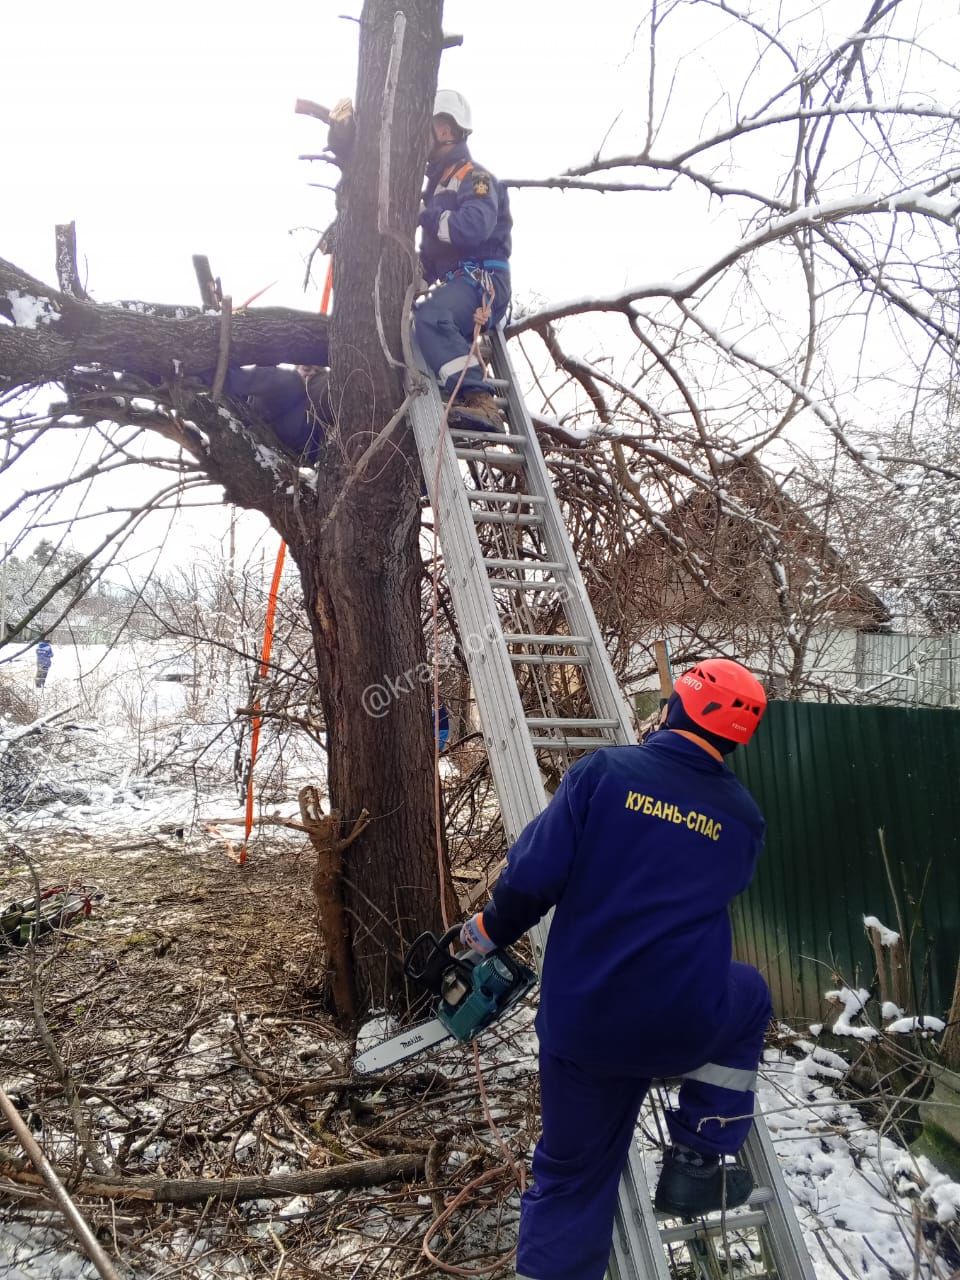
<point>476,269</point>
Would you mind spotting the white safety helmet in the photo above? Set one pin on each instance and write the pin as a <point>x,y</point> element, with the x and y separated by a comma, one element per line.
<point>450,103</point>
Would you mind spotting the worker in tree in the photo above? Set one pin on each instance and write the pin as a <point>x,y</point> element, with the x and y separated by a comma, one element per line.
<point>294,403</point>
<point>640,851</point>
<point>465,248</point>
<point>44,660</point>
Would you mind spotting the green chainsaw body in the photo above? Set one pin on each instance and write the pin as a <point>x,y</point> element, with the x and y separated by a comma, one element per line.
<point>473,989</point>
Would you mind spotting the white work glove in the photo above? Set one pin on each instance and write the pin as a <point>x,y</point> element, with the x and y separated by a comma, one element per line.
<point>474,935</point>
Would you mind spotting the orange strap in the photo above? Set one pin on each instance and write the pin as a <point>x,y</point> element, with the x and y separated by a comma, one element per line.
<point>264,668</point>
<point>327,290</point>
<point>454,172</point>
<point>253,297</point>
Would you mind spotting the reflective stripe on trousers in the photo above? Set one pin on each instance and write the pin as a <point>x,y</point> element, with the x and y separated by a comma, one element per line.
<point>724,1077</point>
<point>566,1217</point>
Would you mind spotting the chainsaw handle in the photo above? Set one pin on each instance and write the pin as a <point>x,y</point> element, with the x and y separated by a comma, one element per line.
<point>449,938</point>
<point>438,948</point>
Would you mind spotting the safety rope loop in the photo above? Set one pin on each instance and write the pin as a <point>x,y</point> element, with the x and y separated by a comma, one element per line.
<point>483,279</point>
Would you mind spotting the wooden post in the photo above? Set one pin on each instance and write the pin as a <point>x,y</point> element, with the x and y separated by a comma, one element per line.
<point>662,655</point>
<point>878,958</point>
<point>951,1039</point>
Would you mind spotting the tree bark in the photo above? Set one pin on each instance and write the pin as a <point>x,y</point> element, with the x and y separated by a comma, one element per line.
<point>361,579</point>
<point>328,881</point>
<point>139,338</point>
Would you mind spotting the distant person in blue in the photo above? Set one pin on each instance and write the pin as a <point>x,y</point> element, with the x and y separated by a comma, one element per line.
<point>641,850</point>
<point>465,226</point>
<point>44,659</point>
<point>442,721</point>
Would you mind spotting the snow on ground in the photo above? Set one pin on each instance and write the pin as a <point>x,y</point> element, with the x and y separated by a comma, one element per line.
<point>120,772</point>
<point>146,739</point>
<point>854,1188</point>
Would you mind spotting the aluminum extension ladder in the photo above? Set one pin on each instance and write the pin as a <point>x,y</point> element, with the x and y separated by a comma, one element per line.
<point>531,640</point>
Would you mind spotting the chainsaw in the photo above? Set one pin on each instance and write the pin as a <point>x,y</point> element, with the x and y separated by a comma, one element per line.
<point>473,990</point>
<point>55,908</point>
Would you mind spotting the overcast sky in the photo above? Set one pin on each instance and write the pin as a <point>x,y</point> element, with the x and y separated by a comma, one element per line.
<point>169,130</point>
<point>165,131</point>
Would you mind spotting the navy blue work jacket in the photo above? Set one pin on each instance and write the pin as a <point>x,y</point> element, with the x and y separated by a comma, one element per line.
<point>640,851</point>
<point>474,215</point>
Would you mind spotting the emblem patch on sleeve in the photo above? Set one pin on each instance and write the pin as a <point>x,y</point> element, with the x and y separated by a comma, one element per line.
<point>481,184</point>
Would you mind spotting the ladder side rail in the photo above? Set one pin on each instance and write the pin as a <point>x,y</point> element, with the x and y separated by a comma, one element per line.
<point>513,764</point>
<point>637,1251</point>
<point>783,1228</point>
<point>601,683</point>
<point>516,775</point>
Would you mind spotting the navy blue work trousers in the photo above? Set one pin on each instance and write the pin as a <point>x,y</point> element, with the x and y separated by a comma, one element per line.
<point>566,1217</point>
<point>444,324</point>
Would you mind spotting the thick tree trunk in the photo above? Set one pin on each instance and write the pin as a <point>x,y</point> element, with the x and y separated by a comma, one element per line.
<point>364,607</point>
<point>362,579</point>
<point>52,333</point>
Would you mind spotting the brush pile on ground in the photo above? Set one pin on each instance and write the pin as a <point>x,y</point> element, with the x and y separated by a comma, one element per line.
<point>174,1056</point>
<point>176,1042</point>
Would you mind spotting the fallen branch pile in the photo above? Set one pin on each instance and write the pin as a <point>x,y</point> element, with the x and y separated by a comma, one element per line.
<point>184,1025</point>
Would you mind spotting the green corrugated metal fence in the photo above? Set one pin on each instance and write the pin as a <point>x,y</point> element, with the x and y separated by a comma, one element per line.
<point>827,778</point>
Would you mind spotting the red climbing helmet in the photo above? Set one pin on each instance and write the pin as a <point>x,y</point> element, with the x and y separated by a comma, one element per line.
<point>724,697</point>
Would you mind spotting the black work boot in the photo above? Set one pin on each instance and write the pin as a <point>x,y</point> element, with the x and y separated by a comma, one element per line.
<point>692,1183</point>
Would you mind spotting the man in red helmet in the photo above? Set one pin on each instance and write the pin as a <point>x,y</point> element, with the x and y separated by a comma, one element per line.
<point>640,852</point>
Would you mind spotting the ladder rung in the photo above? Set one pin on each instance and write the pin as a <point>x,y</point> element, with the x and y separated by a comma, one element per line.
<point>508,461</point>
<point>515,584</point>
<point>548,566</point>
<point>568,744</point>
<point>548,659</point>
<point>504,517</point>
<point>497,382</point>
<point>570,722</point>
<point>731,1222</point>
<point>500,495</point>
<point>492,437</point>
<point>524,637</point>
